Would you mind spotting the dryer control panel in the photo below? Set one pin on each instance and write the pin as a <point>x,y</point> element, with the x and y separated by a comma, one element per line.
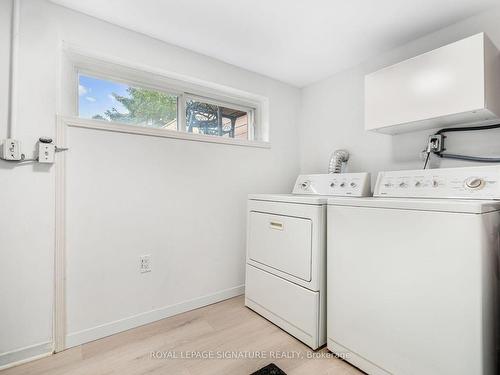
<point>466,183</point>
<point>335,184</point>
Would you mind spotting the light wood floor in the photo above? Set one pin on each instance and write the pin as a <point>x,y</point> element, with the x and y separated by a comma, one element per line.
<point>224,326</point>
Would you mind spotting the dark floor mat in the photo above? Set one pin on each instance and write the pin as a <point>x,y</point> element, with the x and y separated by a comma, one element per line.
<point>270,369</point>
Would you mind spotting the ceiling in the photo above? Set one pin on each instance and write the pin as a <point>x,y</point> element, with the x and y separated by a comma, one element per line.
<point>295,41</point>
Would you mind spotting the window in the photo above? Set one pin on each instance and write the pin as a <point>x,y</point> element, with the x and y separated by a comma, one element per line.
<point>129,104</point>
<point>213,119</point>
<point>100,99</point>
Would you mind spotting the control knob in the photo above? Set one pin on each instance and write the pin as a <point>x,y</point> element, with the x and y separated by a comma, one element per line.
<point>305,185</point>
<point>474,183</point>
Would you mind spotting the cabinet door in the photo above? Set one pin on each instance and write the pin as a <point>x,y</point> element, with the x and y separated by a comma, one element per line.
<point>429,90</point>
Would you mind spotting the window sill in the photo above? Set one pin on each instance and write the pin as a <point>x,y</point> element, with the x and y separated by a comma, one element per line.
<point>164,133</point>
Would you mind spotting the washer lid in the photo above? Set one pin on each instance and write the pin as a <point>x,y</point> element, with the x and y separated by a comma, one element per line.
<point>421,204</point>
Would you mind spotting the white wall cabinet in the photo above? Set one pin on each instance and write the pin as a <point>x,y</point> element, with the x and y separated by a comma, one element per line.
<point>458,84</point>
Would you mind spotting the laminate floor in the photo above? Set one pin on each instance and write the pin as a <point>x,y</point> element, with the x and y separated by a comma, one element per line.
<point>223,338</point>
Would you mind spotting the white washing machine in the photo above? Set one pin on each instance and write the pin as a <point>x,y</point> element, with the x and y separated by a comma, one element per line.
<point>413,281</point>
<point>286,247</point>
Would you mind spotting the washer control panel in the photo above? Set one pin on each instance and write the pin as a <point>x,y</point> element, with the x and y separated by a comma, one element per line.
<point>335,184</point>
<point>467,183</point>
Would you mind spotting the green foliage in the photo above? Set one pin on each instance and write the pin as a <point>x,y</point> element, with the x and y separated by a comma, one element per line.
<point>146,107</point>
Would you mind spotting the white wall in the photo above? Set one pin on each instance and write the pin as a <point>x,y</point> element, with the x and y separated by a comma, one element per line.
<point>332,113</point>
<point>183,202</point>
<point>27,211</point>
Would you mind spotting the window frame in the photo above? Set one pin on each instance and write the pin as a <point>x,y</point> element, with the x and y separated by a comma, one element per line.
<point>77,63</point>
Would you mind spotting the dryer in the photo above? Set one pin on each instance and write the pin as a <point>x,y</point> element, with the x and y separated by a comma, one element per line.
<point>286,253</point>
<point>413,273</point>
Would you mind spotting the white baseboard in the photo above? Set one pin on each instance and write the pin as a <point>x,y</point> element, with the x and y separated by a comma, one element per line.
<point>94,333</point>
<point>29,353</point>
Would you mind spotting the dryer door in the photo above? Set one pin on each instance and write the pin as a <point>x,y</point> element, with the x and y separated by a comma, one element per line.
<point>281,242</point>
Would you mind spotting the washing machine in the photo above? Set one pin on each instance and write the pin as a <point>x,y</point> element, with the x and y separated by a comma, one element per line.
<point>413,273</point>
<point>286,249</point>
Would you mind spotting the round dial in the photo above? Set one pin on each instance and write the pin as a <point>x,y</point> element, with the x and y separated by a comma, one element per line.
<point>474,183</point>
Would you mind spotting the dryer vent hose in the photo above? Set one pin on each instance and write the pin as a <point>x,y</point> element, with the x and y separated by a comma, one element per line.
<point>338,158</point>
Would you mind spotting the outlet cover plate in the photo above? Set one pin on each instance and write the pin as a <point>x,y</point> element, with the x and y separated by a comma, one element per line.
<point>145,263</point>
<point>11,149</point>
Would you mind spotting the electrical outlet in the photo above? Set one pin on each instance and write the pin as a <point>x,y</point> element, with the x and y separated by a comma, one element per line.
<point>435,143</point>
<point>46,152</point>
<point>145,263</point>
<point>11,149</point>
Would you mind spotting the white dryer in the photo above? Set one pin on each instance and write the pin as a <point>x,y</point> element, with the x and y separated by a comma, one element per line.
<point>286,249</point>
<point>413,281</point>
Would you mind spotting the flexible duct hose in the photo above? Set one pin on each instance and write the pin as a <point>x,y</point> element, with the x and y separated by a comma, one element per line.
<point>338,158</point>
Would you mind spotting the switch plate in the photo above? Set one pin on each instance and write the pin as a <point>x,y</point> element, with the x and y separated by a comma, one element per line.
<point>11,149</point>
<point>145,263</point>
<point>46,152</point>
